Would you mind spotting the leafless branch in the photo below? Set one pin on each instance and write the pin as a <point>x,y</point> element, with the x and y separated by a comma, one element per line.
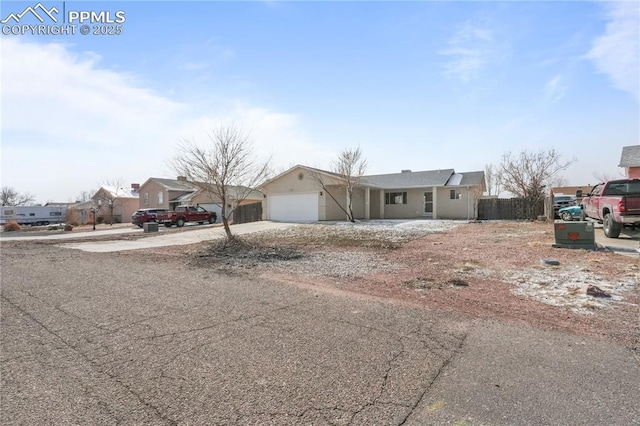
<point>11,197</point>
<point>225,168</point>
<point>349,166</point>
<point>528,174</point>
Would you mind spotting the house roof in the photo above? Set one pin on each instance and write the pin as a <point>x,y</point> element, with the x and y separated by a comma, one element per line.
<point>84,205</point>
<point>174,184</point>
<point>406,179</point>
<point>119,192</point>
<point>233,191</point>
<point>185,196</point>
<point>409,179</point>
<point>630,156</point>
<point>472,178</point>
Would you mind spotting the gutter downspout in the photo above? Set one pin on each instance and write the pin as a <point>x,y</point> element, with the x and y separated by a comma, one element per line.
<point>468,200</point>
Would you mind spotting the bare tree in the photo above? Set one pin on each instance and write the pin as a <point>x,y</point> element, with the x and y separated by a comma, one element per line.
<point>528,174</point>
<point>225,168</point>
<point>605,177</point>
<point>85,196</point>
<point>349,167</point>
<point>557,182</point>
<point>492,178</point>
<point>109,197</point>
<point>11,197</point>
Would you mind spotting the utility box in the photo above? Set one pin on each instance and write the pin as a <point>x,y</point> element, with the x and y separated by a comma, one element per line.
<point>578,235</point>
<point>150,227</point>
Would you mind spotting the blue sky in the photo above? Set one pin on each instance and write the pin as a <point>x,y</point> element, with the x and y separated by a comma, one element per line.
<point>417,85</point>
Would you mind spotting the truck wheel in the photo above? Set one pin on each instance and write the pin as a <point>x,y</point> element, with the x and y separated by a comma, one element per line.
<point>180,223</point>
<point>566,216</point>
<point>611,227</point>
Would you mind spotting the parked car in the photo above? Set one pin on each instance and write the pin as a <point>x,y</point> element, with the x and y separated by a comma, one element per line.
<point>615,204</point>
<point>184,214</point>
<point>142,216</point>
<point>561,201</point>
<point>571,213</point>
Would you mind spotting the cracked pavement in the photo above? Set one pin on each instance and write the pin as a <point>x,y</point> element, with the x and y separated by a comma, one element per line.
<point>126,338</point>
<point>118,339</point>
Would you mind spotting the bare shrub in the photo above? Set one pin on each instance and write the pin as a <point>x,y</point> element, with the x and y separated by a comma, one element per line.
<point>11,226</point>
<point>72,217</point>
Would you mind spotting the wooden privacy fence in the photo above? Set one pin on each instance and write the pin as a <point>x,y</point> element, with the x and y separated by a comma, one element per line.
<point>248,213</point>
<point>506,209</point>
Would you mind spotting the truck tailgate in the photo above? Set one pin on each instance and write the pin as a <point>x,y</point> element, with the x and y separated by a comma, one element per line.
<point>632,203</point>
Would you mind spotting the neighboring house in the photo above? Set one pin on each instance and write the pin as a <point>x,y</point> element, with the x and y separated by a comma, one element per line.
<point>630,160</point>
<point>170,193</point>
<point>439,194</point>
<point>165,193</point>
<point>115,205</point>
<point>84,211</point>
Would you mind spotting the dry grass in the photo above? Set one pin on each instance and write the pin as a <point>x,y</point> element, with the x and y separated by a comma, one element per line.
<point>11,226</point>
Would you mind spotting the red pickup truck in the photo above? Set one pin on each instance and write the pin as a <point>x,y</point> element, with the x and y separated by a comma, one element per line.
<point>615,204</point>
<point>184,214</point>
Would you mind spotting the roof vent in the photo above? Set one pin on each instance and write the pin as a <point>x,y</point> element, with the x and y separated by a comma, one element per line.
<point>406,171</point>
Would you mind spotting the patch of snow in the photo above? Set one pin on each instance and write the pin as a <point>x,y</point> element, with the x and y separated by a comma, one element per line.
<point>567,287</point>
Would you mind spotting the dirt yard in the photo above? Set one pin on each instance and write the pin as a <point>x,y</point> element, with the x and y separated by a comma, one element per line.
<point>489,270</point>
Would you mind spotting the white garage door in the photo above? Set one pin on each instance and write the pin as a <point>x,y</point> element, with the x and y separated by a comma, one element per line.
<point>293,207</point>
<point>214,208</point>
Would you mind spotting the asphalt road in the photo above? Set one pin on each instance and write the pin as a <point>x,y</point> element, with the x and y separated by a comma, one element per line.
<point>121,338</point>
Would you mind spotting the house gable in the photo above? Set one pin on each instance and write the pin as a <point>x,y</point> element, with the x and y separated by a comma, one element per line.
<point>299,179</point>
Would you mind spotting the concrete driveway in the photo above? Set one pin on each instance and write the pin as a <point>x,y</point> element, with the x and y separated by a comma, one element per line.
<point>627,242</point>
<point>188,236</point>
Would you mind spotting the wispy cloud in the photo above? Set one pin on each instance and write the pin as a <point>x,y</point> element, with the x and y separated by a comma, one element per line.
<point>79,124</point>
<point>469,50</point>
<point>555,89</point>
<point>616,52</point>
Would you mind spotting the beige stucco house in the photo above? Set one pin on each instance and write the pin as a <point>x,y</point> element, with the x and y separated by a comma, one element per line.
<point>295,195</point>
<point>170,193</point>
<point>115,205</point>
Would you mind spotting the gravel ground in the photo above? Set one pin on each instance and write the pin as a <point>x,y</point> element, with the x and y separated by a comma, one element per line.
<point>491,269</point>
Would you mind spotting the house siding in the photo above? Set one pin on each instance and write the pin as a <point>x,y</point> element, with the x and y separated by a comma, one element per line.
<point>291,183</point>
<point>329,209</point>
<point>152,189</point>
<point>123,207</point>
<point>461,208</point>
<point>633,172</point>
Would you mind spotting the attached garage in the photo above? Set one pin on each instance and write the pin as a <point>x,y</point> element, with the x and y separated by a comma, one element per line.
<point>214,208</point>
<point>293,207</point>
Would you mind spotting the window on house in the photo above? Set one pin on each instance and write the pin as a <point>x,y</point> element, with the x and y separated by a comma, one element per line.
<point>145,199</point>
<point>160,197</point>
<point>395,198</point>
<point>32,214</point>
<point>455,195</point>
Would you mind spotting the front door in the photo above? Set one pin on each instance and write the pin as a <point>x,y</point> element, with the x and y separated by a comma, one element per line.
<point>428,203</point>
